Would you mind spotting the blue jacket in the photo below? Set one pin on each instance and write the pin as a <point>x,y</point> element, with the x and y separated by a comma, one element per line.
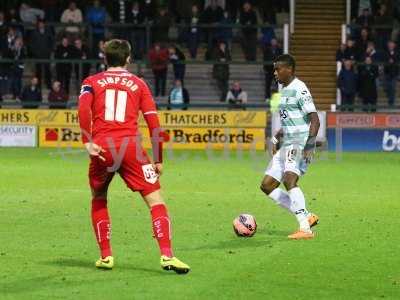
<point>97,18</point>
<point>347,81</point>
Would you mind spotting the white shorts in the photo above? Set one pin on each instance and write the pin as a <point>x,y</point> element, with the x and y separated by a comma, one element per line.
<point>287,159</point>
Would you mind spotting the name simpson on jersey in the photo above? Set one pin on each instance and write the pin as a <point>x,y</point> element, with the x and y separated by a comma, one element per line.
<point>118,80</point>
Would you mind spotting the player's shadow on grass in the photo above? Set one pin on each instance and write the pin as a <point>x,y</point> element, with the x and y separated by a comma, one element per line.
<point>84,264</point>
<point>263,238</point>
<point>69,262</point>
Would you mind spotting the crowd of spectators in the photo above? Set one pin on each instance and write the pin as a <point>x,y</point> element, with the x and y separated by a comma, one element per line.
<point>76,30</point>
<point>371,56</point>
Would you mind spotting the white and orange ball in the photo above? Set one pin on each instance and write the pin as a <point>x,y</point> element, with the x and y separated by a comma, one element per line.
<point>245,225</point>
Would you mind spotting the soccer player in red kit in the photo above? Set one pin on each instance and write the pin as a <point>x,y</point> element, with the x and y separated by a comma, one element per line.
<point>109,106</point>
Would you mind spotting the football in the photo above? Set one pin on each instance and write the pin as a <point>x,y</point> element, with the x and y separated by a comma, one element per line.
<point>245,225</point>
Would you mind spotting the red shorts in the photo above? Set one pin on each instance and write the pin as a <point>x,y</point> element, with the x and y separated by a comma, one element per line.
<point>133,165</point>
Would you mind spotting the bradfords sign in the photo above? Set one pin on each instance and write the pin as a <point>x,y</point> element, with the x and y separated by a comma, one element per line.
<point>18,136</point>
<point>188,129</point>
<point>363,132</point>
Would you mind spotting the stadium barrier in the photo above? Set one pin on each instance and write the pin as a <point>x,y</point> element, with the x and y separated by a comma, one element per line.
<point>363,132</point>
<point>188,129</point>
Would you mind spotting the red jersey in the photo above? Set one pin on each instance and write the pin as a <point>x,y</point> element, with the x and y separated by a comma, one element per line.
<point>109,105</point>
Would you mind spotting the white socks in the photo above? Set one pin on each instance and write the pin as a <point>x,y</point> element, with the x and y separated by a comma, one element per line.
<point>298,206</point>
<point>281,198</point>
<point>295,203</point>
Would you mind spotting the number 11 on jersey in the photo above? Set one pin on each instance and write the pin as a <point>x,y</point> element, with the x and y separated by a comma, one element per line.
<point>115,112</point>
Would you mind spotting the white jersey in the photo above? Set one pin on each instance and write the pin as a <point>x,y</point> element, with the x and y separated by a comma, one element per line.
<point>296,103</point>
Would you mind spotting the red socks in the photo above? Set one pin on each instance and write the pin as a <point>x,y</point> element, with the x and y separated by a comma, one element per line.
<point>101,225</point>
<point>162,228</point>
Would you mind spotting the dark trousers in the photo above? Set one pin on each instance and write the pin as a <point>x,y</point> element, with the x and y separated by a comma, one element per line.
<point>16,82</point>
<point>160,81</point>
<point>64,76</point>
<point>249,46</point>
<point>369,103</point>
<point>222,85</point>
<point>193,43</point>
<point>47,74</point>
<point>268,82</point>
<point>390,89</point>
<point>347,101</point>
<point>81,72</point>
<point>138,39</point>
<point>179,71</point>
<point>96,38</point>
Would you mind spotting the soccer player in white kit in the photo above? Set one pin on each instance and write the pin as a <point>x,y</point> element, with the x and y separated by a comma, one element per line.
<point>293,146</point>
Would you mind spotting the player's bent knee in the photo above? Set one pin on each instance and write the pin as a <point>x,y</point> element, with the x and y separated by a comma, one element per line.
<point>99,193</point>
<point>290,180</point>
<point>153,198</point>
<point>268,185</point>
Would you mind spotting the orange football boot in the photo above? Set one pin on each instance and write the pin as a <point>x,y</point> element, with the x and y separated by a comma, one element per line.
<point>301,235</point>
<point>313,220</point>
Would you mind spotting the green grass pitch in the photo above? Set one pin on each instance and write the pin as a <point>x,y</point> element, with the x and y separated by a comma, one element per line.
<point>47,247</point>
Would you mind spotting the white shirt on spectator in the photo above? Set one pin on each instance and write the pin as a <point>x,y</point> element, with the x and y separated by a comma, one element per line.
<point>31,15</point>
<point>240,98</point>
<point>72,16</point>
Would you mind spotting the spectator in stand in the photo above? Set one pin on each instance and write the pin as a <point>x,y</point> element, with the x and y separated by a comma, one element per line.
<point>32,93</point>
<point>347,84</point>
<point>51,9</point>
<point>12,36</point>
<point>236,97</point>
<point>13,16</point>
<point>136,17</point>
<point>268,33</point>
<point>384,23</point>
<point>194,32</point>
<point>212,15</point>
<point>271,52</point>
<point>161,25</point>
<point>18,53</point>
<point>224,31</point>
<point>64,69</point>
<point>177,59</point>
<point>41,46</point>
<point>72,15</point>
<point>29,14</point>
<point>159,58</point>
<point>96,17</point>
<point>367,75</point>
<point>365,19</point>
<point>351,51</point>
<point>3,27</point>
<point>371,51</point>
<point>391,71</point>
<point>364,4</point>
<point>341,53</point>
<point>82,70</point>
<point>5,71</point>
<point>248,18</point>
<point>101,67</point>
<point>362,43</point>
<point>178,96</point>
<point>149,10</point>
<point>57,97</point>
<point>221,69</point>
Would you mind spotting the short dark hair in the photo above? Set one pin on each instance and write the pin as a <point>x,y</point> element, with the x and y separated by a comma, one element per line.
<point>287,60</point>
<point>117,52</point>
